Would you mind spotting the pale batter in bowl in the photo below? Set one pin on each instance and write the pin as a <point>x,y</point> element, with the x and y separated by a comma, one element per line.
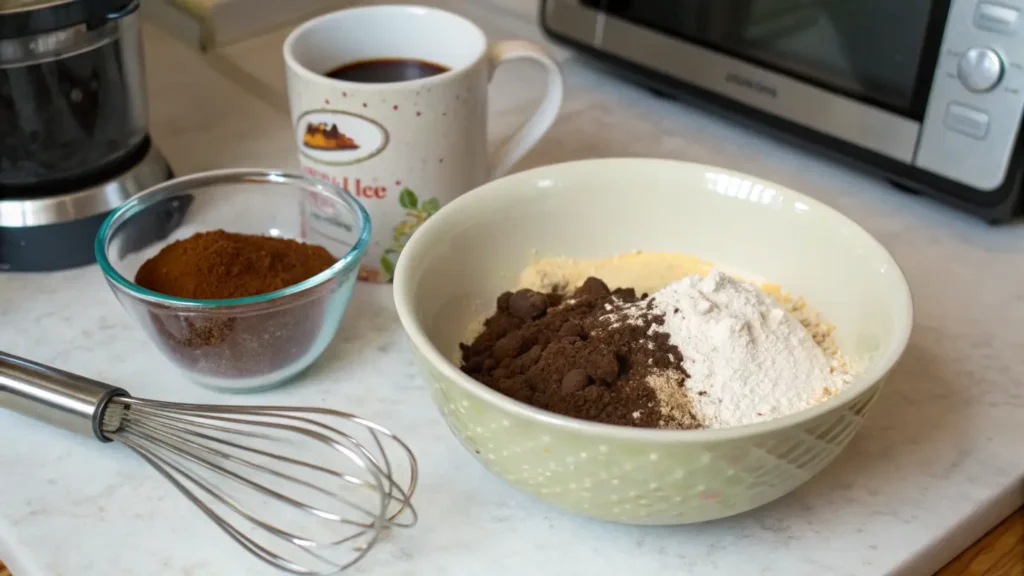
<point>645,272</point>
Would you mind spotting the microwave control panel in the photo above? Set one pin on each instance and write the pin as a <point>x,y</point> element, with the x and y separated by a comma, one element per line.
<point>977,98</point>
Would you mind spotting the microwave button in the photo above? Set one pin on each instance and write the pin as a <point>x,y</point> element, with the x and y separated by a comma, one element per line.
<point>980,69</point>
<point>996,18</point>
<point>967,121</point>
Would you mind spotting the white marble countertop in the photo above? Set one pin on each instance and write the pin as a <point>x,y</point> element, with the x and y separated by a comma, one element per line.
<point>937,463</point>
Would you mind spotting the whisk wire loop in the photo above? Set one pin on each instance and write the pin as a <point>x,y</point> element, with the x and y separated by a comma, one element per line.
<point>214,467</point>
<point>385,471</point>
<point>223,498</point>
<point>161,437</point>
<point>210,453</point>
<point>213,412</point>
<point>249,463</point>
<point>165,469</point>
<point>289,411</point>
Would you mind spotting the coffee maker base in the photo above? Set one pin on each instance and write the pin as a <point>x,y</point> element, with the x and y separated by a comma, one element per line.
<point>59,232</point>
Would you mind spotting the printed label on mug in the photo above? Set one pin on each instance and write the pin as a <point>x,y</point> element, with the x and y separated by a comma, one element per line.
<point>332,138</point>
<point>338,138</point>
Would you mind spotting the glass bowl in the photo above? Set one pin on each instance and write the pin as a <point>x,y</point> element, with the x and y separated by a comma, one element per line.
<point>239,344</point>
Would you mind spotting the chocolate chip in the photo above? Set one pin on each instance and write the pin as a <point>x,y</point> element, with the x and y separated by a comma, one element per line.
<point>592,288</point>
<point>575,380</point>
<point>527,305</point>
<point>527,360</point>
<point>510,346</point>
<point>503,301</point>
<point>625,294</point>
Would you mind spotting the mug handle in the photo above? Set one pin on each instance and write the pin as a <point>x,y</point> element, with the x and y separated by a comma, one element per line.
<point>524,140</point>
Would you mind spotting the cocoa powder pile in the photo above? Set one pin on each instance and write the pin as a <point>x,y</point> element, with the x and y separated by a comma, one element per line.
<point>571,355</point>
<point>217,265</point>
<point>227,342</point>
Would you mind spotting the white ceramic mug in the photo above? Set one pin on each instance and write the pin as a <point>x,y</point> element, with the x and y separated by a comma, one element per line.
<point>403,148</point>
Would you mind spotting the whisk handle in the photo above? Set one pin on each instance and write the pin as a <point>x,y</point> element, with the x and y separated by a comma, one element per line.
<point>54,396</point>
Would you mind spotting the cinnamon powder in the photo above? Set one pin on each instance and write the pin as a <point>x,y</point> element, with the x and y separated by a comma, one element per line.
<point>217,265</point>
<point>228,342</point>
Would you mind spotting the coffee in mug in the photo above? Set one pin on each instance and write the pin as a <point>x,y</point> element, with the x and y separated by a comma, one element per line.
<point>399,119</point>
<point>384,70</point>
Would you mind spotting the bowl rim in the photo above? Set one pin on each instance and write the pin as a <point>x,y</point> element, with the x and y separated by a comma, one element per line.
<point>231,176</point>
<point>863,382</point>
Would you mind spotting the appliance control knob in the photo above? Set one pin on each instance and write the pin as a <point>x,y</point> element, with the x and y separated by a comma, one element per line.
<point>980,69</point>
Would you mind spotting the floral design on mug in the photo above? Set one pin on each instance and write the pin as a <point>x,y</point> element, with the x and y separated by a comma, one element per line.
<point>416,213</point>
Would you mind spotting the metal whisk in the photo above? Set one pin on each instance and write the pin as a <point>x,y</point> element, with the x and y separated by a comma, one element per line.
<point>307,490</point>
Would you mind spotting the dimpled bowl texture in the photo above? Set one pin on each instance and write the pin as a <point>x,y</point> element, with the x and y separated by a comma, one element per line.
<point>240,344</point>
<point>457,263</point>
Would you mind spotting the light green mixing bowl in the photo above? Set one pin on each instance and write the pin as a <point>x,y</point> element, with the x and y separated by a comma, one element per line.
<point>461,259</point>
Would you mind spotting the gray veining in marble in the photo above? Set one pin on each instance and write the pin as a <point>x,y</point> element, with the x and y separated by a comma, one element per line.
<point>936,464</point>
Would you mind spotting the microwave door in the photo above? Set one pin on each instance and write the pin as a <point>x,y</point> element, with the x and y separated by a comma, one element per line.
<point>721,19</point>
<point>770,20</point>
<point>804,39</point>
<point>729,22</point>
<point>883,44</point>
<point>866,49</point>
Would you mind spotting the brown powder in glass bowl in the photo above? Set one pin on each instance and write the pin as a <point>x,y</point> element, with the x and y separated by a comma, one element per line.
<point>217,265</point>
<point>220,342</point>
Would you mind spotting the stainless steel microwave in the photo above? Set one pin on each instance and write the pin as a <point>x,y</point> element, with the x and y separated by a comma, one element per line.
<point>929,93</point>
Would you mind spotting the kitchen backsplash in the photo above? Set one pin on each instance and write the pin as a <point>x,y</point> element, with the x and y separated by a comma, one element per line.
<point>210,24</point>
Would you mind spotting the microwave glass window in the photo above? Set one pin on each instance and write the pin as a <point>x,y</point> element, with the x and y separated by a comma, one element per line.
<point>868,49</point>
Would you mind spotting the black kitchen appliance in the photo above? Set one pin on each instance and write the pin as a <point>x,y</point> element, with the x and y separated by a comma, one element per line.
<point>73,127</point>
<point>928,93</point>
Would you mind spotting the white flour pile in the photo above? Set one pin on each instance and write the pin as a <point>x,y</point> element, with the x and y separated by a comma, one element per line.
<point>746,357</point>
